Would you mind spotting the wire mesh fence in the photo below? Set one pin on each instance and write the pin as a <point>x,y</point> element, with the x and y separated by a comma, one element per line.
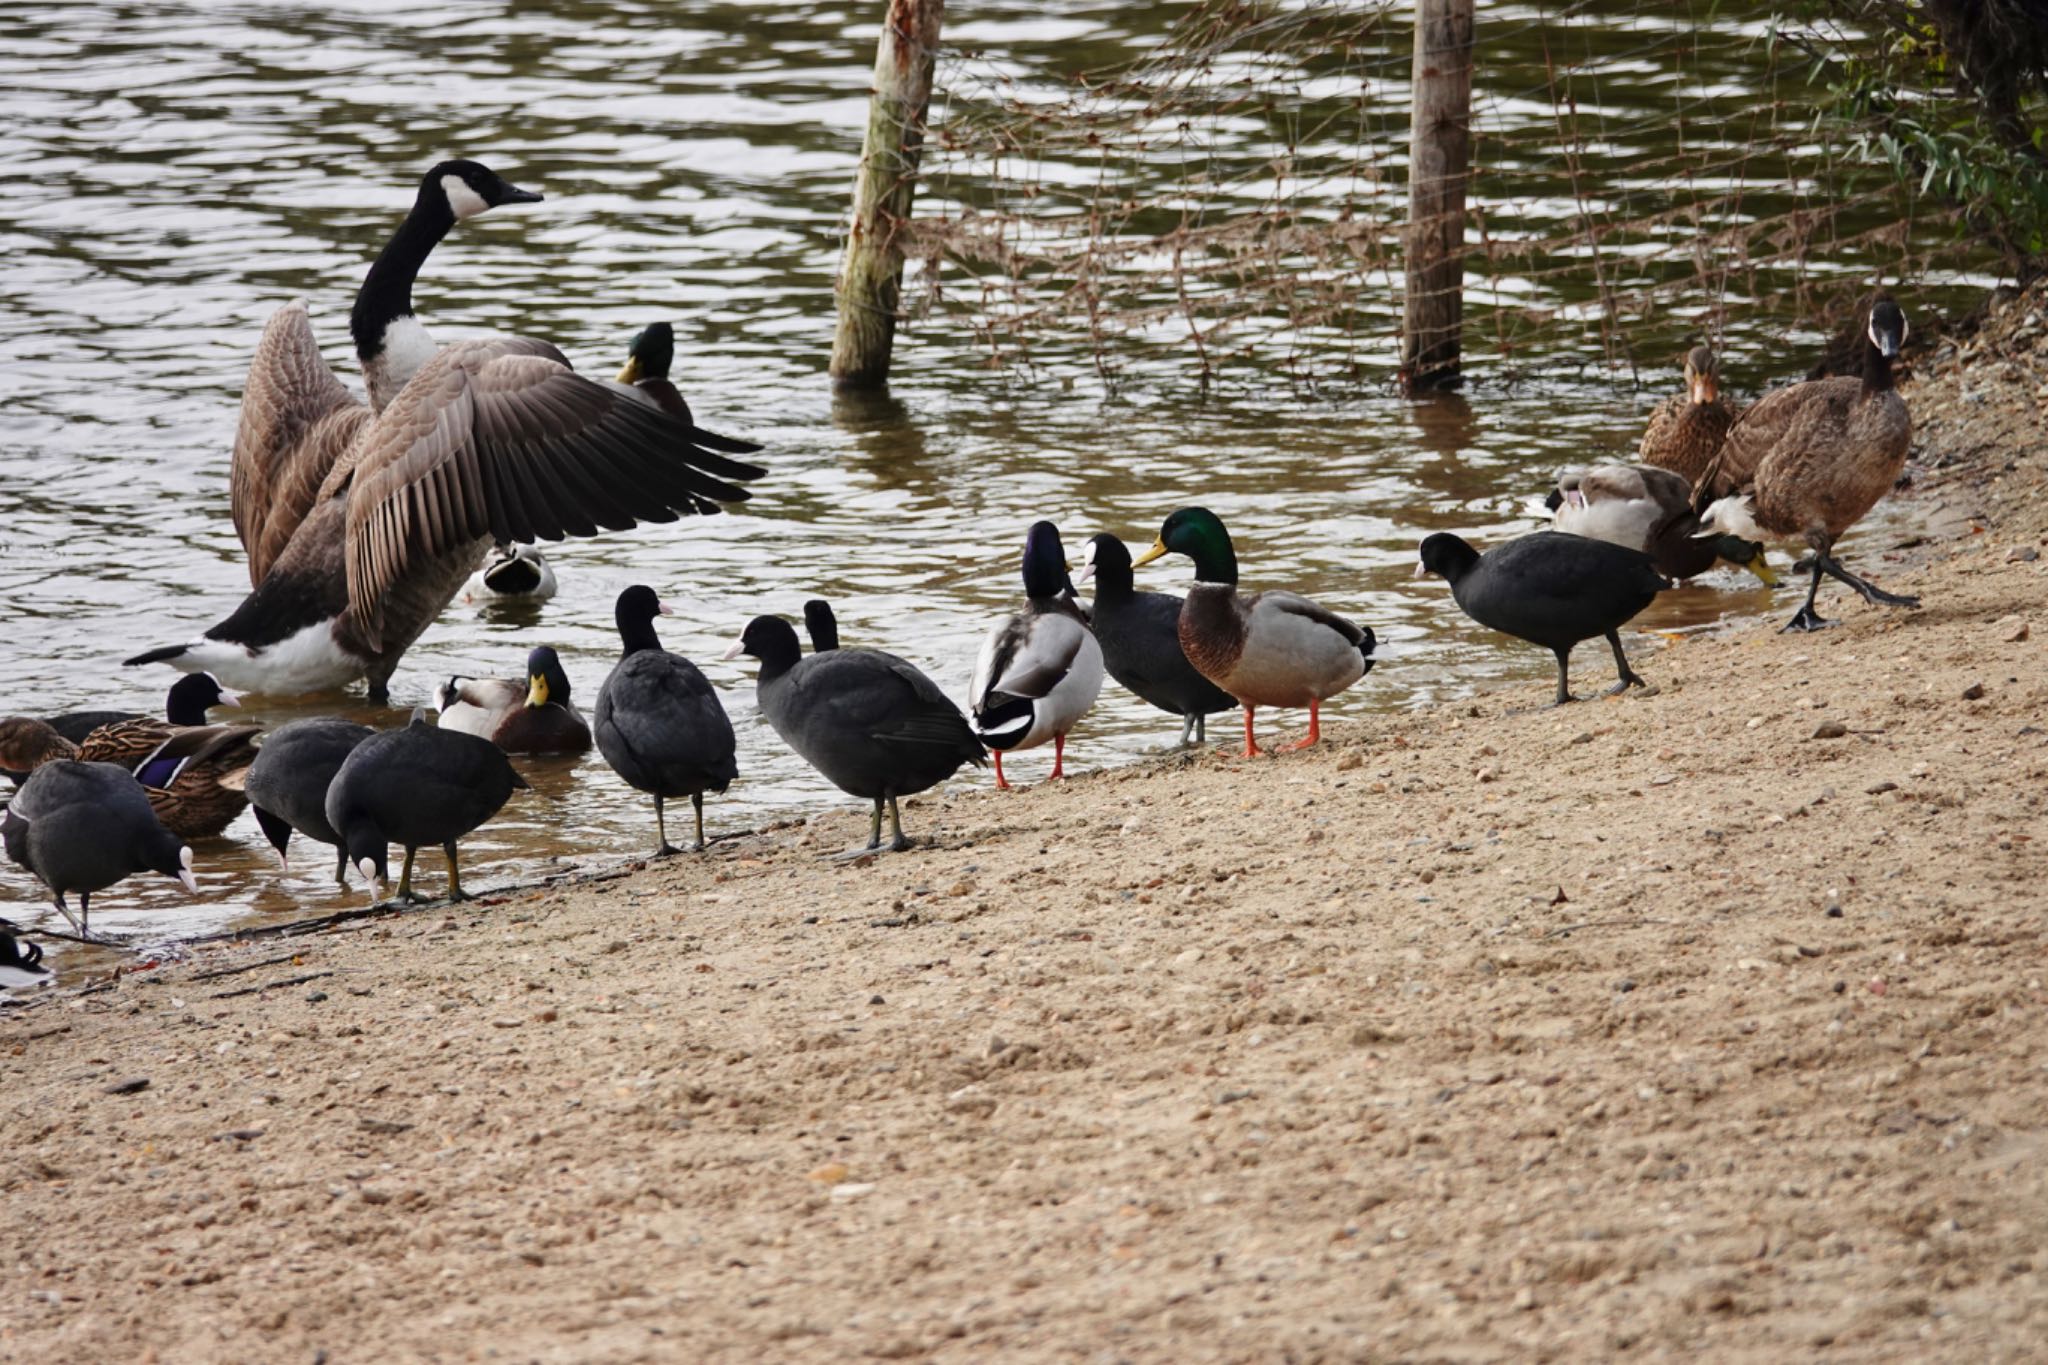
<point>1230,205</point>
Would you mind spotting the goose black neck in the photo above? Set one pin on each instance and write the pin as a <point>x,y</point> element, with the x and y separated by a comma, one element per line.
<point>637,633</point>
<point>1877,368</point>
<point>387,290</point>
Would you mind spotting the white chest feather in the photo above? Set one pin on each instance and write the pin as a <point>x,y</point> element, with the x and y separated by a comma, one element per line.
<point>406,348</point>
<point>308,661</point>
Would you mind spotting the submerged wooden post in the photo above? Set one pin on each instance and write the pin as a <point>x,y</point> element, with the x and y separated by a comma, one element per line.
<point>871,276</point>
<point>1439,157</point>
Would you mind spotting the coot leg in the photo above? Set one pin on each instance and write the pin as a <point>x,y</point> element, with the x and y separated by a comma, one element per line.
<point>1187,727</point>
<point>1629,677</point>
<point>899,841</point>
<point>341,866</point>
<point>1564,676</point>
<point>697,802</point>
<point>1002,783</point>
<point>1201,729</point>
<point>455,891</point>
<point>875,828</point>
<point>661,831</point>
<point>1807,618</point>
<point>1872,594</point>
<point>405,891</point>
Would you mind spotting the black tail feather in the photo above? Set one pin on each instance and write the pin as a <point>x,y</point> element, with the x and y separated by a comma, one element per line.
<point>162,654</point>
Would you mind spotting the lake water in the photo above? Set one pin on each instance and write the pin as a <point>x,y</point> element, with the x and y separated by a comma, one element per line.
<point>174,171</point>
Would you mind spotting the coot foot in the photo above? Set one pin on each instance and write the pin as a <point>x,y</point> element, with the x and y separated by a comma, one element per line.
<point>1806,619</point>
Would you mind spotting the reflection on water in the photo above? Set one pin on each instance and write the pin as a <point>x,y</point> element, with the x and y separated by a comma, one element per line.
<point>176,170</point>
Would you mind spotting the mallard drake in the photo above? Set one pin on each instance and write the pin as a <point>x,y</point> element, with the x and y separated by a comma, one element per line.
<point>81,827</point>
<point>821,625</point>
<point>363,522</point>
<point>1140,637</point>
<point>658,722</point>
<point>1263,648</point>
<point>1686,430</point>
<point>874,725</point>
<point>1040,670</point>
<point>1807,462</point>
<point>1550,589</point>
<point>648,357</point>
<point>21,963</point>
<point>1646,508</point>
<point>513,573</point>
<point>287,784</point>
<point>531,717</point>
<point>414,786</point>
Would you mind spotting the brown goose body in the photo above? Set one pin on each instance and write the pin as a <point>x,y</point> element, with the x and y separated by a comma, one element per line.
<point>1809,461</point>
<point>1686,430</point>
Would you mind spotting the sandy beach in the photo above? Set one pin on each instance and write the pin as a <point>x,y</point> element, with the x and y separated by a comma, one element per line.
<point>1706,1022</point>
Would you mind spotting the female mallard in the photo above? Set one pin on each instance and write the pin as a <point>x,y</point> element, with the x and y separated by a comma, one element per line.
<point>1807,462</point>
<point>1687,429</point>
<point>1551,589</point>
<point>1645,508</point>
<point>363,522</point>
<point>872,723</point>
<point>658,721</point>
<point>1140,637</point>
<point>1265,648</point>
<point>1040,670</point>
<point>531,717</point>
<point>191,771</point>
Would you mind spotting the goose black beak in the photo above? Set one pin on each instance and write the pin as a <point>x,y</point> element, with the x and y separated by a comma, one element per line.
<point>524,197</point>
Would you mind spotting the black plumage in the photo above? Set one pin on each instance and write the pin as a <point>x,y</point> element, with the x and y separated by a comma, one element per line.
<point>415,786</point>
<point>21,963</point>
<point>657,720</point>
<point>1140,637</point>
<point>872,723</point>
<point>288,782</point>
<point>81,827</point>
<point>1551,589</point>
<point>821,625</point>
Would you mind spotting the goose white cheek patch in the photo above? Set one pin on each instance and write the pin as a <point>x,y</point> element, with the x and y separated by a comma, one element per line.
<point>463,201</point>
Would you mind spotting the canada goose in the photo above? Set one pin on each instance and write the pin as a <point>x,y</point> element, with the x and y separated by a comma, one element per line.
<point>1140,637</point>
<point>362,523</point>
<point>288,783</point>
<point>530,716</point>
<point>1686,429</point>
<point>513,573</point>
<point>81,827</point>
<point>1646,508</point>
<point>21,963</point>
<point>1842,353</point>
<point>1039,670</point>
<point>1263,648</point>
<point>873,724</point>
<point>414,786</point>
<point>1807,462</point>
<point>658,722</point>
<point>821,625</point>
<point>1550,589</point>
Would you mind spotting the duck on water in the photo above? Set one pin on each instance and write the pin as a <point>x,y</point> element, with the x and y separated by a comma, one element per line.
<point>362,521</point>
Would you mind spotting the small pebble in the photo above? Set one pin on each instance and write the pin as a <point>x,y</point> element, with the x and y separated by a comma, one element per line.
<point>2022,554</point>
<point>1880,788</point>
<point>133,1085</point>
<point>1834,912</point>
<point>1830,729</point>
<point>1973,692</point>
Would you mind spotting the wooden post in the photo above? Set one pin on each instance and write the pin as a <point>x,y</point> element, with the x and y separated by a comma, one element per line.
<point>1439,157</point>
<point>871,276</point>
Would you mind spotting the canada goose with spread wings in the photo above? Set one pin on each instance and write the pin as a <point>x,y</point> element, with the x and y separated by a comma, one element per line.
<point>482,442</point>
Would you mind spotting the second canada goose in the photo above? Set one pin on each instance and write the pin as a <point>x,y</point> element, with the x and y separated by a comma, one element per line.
<point>1807,462</point>
<point>1686,429</point>
<point>1649,509</point>
<point>484,442</point>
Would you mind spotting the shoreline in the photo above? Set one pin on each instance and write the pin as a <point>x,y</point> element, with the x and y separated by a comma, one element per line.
<point>1705,1021</point>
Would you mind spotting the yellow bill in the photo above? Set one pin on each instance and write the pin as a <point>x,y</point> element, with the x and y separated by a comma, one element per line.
<point>1158,549</point>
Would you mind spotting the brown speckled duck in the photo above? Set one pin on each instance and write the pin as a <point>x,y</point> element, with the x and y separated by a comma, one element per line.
<point>1687,429</point>
<point>1263,648</point>
<point>1807,462</point>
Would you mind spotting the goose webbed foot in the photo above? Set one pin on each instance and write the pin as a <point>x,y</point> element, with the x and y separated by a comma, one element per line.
<point>1870,592</point>
<point>1806,619</point>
